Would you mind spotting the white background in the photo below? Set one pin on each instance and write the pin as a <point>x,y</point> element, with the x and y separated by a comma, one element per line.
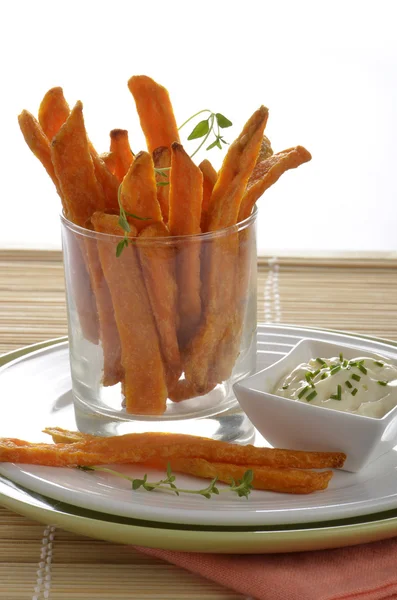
<point>326,70</point>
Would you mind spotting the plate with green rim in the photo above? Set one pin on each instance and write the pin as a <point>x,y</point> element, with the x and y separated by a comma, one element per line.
<point>201,537</point>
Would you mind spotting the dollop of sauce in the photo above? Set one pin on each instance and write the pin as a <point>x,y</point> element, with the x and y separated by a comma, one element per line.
<point>363,385</point>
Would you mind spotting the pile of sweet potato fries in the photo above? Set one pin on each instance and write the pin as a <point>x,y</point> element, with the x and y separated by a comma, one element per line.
<point>169,316</point>
<point>275,470</point>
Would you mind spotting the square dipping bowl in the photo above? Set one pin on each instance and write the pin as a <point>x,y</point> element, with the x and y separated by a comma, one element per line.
<point>293,424</point>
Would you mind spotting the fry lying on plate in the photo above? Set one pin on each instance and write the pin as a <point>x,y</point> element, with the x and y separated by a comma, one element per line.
<point>286,471</point>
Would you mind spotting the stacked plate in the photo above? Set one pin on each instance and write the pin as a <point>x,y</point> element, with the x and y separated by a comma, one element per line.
<point>36,393</point>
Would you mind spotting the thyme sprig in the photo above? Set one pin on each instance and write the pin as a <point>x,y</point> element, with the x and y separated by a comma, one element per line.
<point>213,124</point>
<point>162,172</point>
<point>123,222</point>
<point>242,487</point>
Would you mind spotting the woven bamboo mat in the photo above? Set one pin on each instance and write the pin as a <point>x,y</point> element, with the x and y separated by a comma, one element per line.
<point>341,294</point>
<point>37,563</point>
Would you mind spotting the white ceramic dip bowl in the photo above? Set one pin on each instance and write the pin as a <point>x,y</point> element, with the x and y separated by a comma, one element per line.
<point>293,424</point>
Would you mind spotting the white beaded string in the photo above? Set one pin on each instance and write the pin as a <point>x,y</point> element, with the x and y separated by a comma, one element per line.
<point>272,300</point>
<point>43,583</point>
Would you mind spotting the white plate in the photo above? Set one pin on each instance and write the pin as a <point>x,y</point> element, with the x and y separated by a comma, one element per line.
<point>36,393</point>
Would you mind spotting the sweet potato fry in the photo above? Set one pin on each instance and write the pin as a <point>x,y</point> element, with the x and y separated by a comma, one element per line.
<point>236,170</point>
<point>145,447</point>
<point>222,256</point>
<point>265,150</point>
<point>287,481</point>
<point>139,192</point>
<point>144,378</point>
<point>61,455</point>
<point>108,333</point>
<point>107,180</point>
<point>39,145</point>
<point>53,112</point>
<point>184,390</point>
<point>267,172</point>
<point>158,266</point>
<point>63,436</point>
<point>120,147</point>
<point>162,159</point>
<point>109,159</point>
<point>228,348</point>
<point>82,292</point>
<point>108,329</point>
<point>78,164</point>
<point>219,270</point>
<point>75,170</point>
<point>155,112</point>
<point>186,193</point>
<point>209,179</point>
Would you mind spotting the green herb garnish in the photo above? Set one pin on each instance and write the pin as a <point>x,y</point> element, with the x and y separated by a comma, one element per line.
<point>203,129</point>
<point>341,357</point>
<point>324,376</point>
<point>308,377</point>
<point>121,245</point>
<point>242,487</point>
<point>362,368</point>
<point>335,369</point>
<point>321,362</point>
<point>349,385</point>
<point>161,172</point>
<point>338,395</point>
<point>315,373</point>
<point>354,392</point>
<point>285,387</point>
<point>303,391</point>
<point>123,222</point>
<point>312,395</point>
<point>378,363</point>
<point>356,377</point>
<point>383,382</point>
<point>345,364</point>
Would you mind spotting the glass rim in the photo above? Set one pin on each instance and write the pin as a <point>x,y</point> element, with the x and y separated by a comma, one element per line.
<point>206,236</point>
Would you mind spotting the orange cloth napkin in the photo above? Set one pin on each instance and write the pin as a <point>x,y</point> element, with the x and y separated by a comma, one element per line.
<point>367,572</point>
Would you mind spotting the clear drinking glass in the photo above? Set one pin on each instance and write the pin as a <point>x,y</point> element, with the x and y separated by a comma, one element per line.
<point>159,334</point>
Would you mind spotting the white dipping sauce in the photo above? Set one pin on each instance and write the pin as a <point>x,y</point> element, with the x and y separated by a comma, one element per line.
<point>364,386</point>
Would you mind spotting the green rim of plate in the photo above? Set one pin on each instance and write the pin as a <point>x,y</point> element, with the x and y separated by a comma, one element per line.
<point>170,536</point>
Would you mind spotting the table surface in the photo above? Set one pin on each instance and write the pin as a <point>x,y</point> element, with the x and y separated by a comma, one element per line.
<point>350,294</point>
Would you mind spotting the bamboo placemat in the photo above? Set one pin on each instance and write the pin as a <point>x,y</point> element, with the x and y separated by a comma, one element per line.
<point>38,563</point>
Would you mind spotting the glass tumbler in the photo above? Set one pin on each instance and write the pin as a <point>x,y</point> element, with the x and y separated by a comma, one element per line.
<point>159,333</point>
